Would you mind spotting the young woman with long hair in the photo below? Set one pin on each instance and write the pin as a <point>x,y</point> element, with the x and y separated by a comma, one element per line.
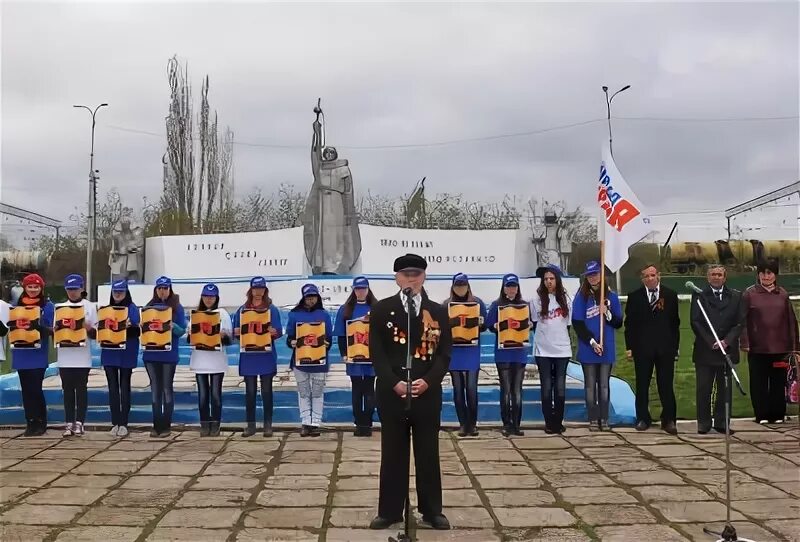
<point>465,361</point>
<point>596,359</point>
<point>552,348</point>
<point>362,375</point>
<point>310,379</point>
<point>255,366</point>
<point>510,361</point>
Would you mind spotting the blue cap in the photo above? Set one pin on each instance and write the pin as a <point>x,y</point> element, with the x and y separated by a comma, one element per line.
<point>552,268</point>
<point>592,268</point>
<point>163,281</point>
<point>258,282</point>
<point>510,280</point>
<point>460,278</point>
<point>119,286</point>
<point>360,282</point>
<point>309,289</point>
<point>73,282</point>
<point>210,290</point>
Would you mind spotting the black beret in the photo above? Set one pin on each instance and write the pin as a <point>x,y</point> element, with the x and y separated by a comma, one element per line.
<point>410,261</point>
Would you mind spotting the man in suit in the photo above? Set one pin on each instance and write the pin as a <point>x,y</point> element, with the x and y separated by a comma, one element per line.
<point>724,308</point>
<point>652,338</point>
<point>429,341</point>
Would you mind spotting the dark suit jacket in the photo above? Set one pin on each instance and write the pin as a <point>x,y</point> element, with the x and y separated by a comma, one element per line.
<point>651,333</point>
<point>726,316</point>
<point>389,356</point>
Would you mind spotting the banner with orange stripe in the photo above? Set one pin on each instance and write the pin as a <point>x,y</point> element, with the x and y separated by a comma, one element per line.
<point>310,349</point>
<point>112,327</point>
<point>23,327</point>
<point>514,326</point>
<point>357,340</point>
<point>156,329</point>
<point>204,332</point>
<point>68,330</point>
<point>465,321</point>
<point>254,332</point>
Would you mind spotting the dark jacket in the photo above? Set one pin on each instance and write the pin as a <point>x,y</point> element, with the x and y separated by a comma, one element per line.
<point>389,355</point>
<point>726,317</point>
<point>648,332</point>
<point>770,325</point>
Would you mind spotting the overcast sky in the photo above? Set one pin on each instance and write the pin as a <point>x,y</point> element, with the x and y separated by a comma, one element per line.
<point>394,74</point>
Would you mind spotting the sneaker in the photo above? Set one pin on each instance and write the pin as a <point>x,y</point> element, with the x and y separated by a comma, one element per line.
<point>115,431</point>
<point>68,430</point>
<point>78,429</point>
<point>122,431</point>
<point>779,420</point>
<point>763,422</point>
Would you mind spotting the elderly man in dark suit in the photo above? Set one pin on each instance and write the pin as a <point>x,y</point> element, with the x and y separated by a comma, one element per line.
<point>429,338</point>
<point>652,338</point>
<point>724,308</point>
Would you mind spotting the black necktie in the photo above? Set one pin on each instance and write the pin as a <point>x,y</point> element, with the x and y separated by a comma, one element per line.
<point>653,299</point>
<point>718,293</point>
<point>412,307</point>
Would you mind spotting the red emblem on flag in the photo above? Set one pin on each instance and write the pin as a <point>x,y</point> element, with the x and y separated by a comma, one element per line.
<point>68,322</point>
<point>205,328</point>
<point>310,340</point>
<point>23,323</point>
<point>111,324</point>
<point>156,325</point>
<point>361,338</point>
<point>513,324</point>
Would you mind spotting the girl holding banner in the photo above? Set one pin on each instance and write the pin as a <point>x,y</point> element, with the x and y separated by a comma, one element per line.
<point>159,361</point>
<point>73,321</point>
<point>209,334</point>
<point>596,357</point>
<point>362,375</point>
<point>552,348</point>
<point>256,360</point>
<point>29,358</point>
<point>308,333</point>
<point>467,315</point>
<point>118,357</point>
<point>510,359</point>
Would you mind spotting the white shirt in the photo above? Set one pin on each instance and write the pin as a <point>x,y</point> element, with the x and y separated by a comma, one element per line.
<point>551,339</point>
<point>657,291</point>
<point>4,308</point>
<point>210,362</point>
<point>80,356</point>
<point>417,302</point>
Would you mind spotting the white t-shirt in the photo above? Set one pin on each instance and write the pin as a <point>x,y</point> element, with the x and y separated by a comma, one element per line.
<point>79,356</point>
<point>551,339</point>
<point>4,308</point>
<point>208,362</point>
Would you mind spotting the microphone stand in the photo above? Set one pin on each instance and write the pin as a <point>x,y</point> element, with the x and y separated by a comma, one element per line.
<point>728,533</point>
<point>405,536</point>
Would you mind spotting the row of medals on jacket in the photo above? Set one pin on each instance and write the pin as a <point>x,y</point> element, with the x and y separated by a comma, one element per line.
<point>427,344</point>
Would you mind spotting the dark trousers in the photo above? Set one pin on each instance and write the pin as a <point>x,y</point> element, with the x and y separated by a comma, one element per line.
<point>363,394</point>
<point>161,377</point>
<point>465,397</point>
<point>596,388</point>
<point>209,396</point>
<point>767,386</point>
<point>665,374</point>
<point>511,376</point>
<point>119,394</point>
<point>76,396</point>
<point>250,389</point>
<point>707,376</point>
<point>397,427</point>
<point>553,379</point>
<point>30,382</point>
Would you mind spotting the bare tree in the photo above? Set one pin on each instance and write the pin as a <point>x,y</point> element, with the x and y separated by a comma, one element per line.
<point>180,146</point>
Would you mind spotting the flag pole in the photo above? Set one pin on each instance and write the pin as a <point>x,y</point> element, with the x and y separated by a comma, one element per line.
<point>602,287</point>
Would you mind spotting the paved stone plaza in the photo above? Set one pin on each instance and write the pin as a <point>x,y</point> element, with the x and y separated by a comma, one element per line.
<point>619,486</point>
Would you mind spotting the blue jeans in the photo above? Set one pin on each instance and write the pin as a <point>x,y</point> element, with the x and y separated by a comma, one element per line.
<point>553,379</point>
<point>209,396</point>
<point>161,377</point>
<point>465,397</point>
<point>595,384</point>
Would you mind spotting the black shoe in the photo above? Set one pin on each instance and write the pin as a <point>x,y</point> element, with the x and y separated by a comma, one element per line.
<point>357,432</point>
<point>204,429</point>
<point>505,431</point>
<point>214,429</point>
<point>669,427</point>
<point>594,426</point>
<point>268,429</point>
<point>548,431</point>
<point>642,425</point>
<point>249,431</point>
<point>517,432</point>
<point>380,523</point>
<point>462,432</point>
<point>473,432</point>
<point>703,430</point>
<point>438,522</point>
<point>561,430</point>
<point>314,431</point>
<point>154,433</point>
<point>305,431</point>
<point>603,425</point>
<point>722,430</point>
<point>368,431</point>
<point>39,428</point>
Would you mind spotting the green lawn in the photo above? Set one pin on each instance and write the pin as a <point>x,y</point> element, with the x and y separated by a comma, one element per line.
<point>684,376</point>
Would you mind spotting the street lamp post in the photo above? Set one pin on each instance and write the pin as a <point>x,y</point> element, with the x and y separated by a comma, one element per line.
<point>92,203</point>
<point>618,274</point>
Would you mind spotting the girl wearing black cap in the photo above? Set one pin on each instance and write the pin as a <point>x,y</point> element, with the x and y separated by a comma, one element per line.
<point>310,379</point>
<point>210,366</point>
<point>161,365</point>
<point>362,375</point>
<point>596,359</point>
<point>119,364</point>
<point>510,361</point>
<point>552,347</point>
<point>259,365</point>
<point>465,362</point>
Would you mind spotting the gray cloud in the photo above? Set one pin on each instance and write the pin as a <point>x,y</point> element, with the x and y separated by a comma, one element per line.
<point>398,74</point>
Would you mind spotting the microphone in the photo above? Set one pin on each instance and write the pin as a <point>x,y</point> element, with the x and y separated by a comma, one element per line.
<point>691,286</point>
<point>407,292</point>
